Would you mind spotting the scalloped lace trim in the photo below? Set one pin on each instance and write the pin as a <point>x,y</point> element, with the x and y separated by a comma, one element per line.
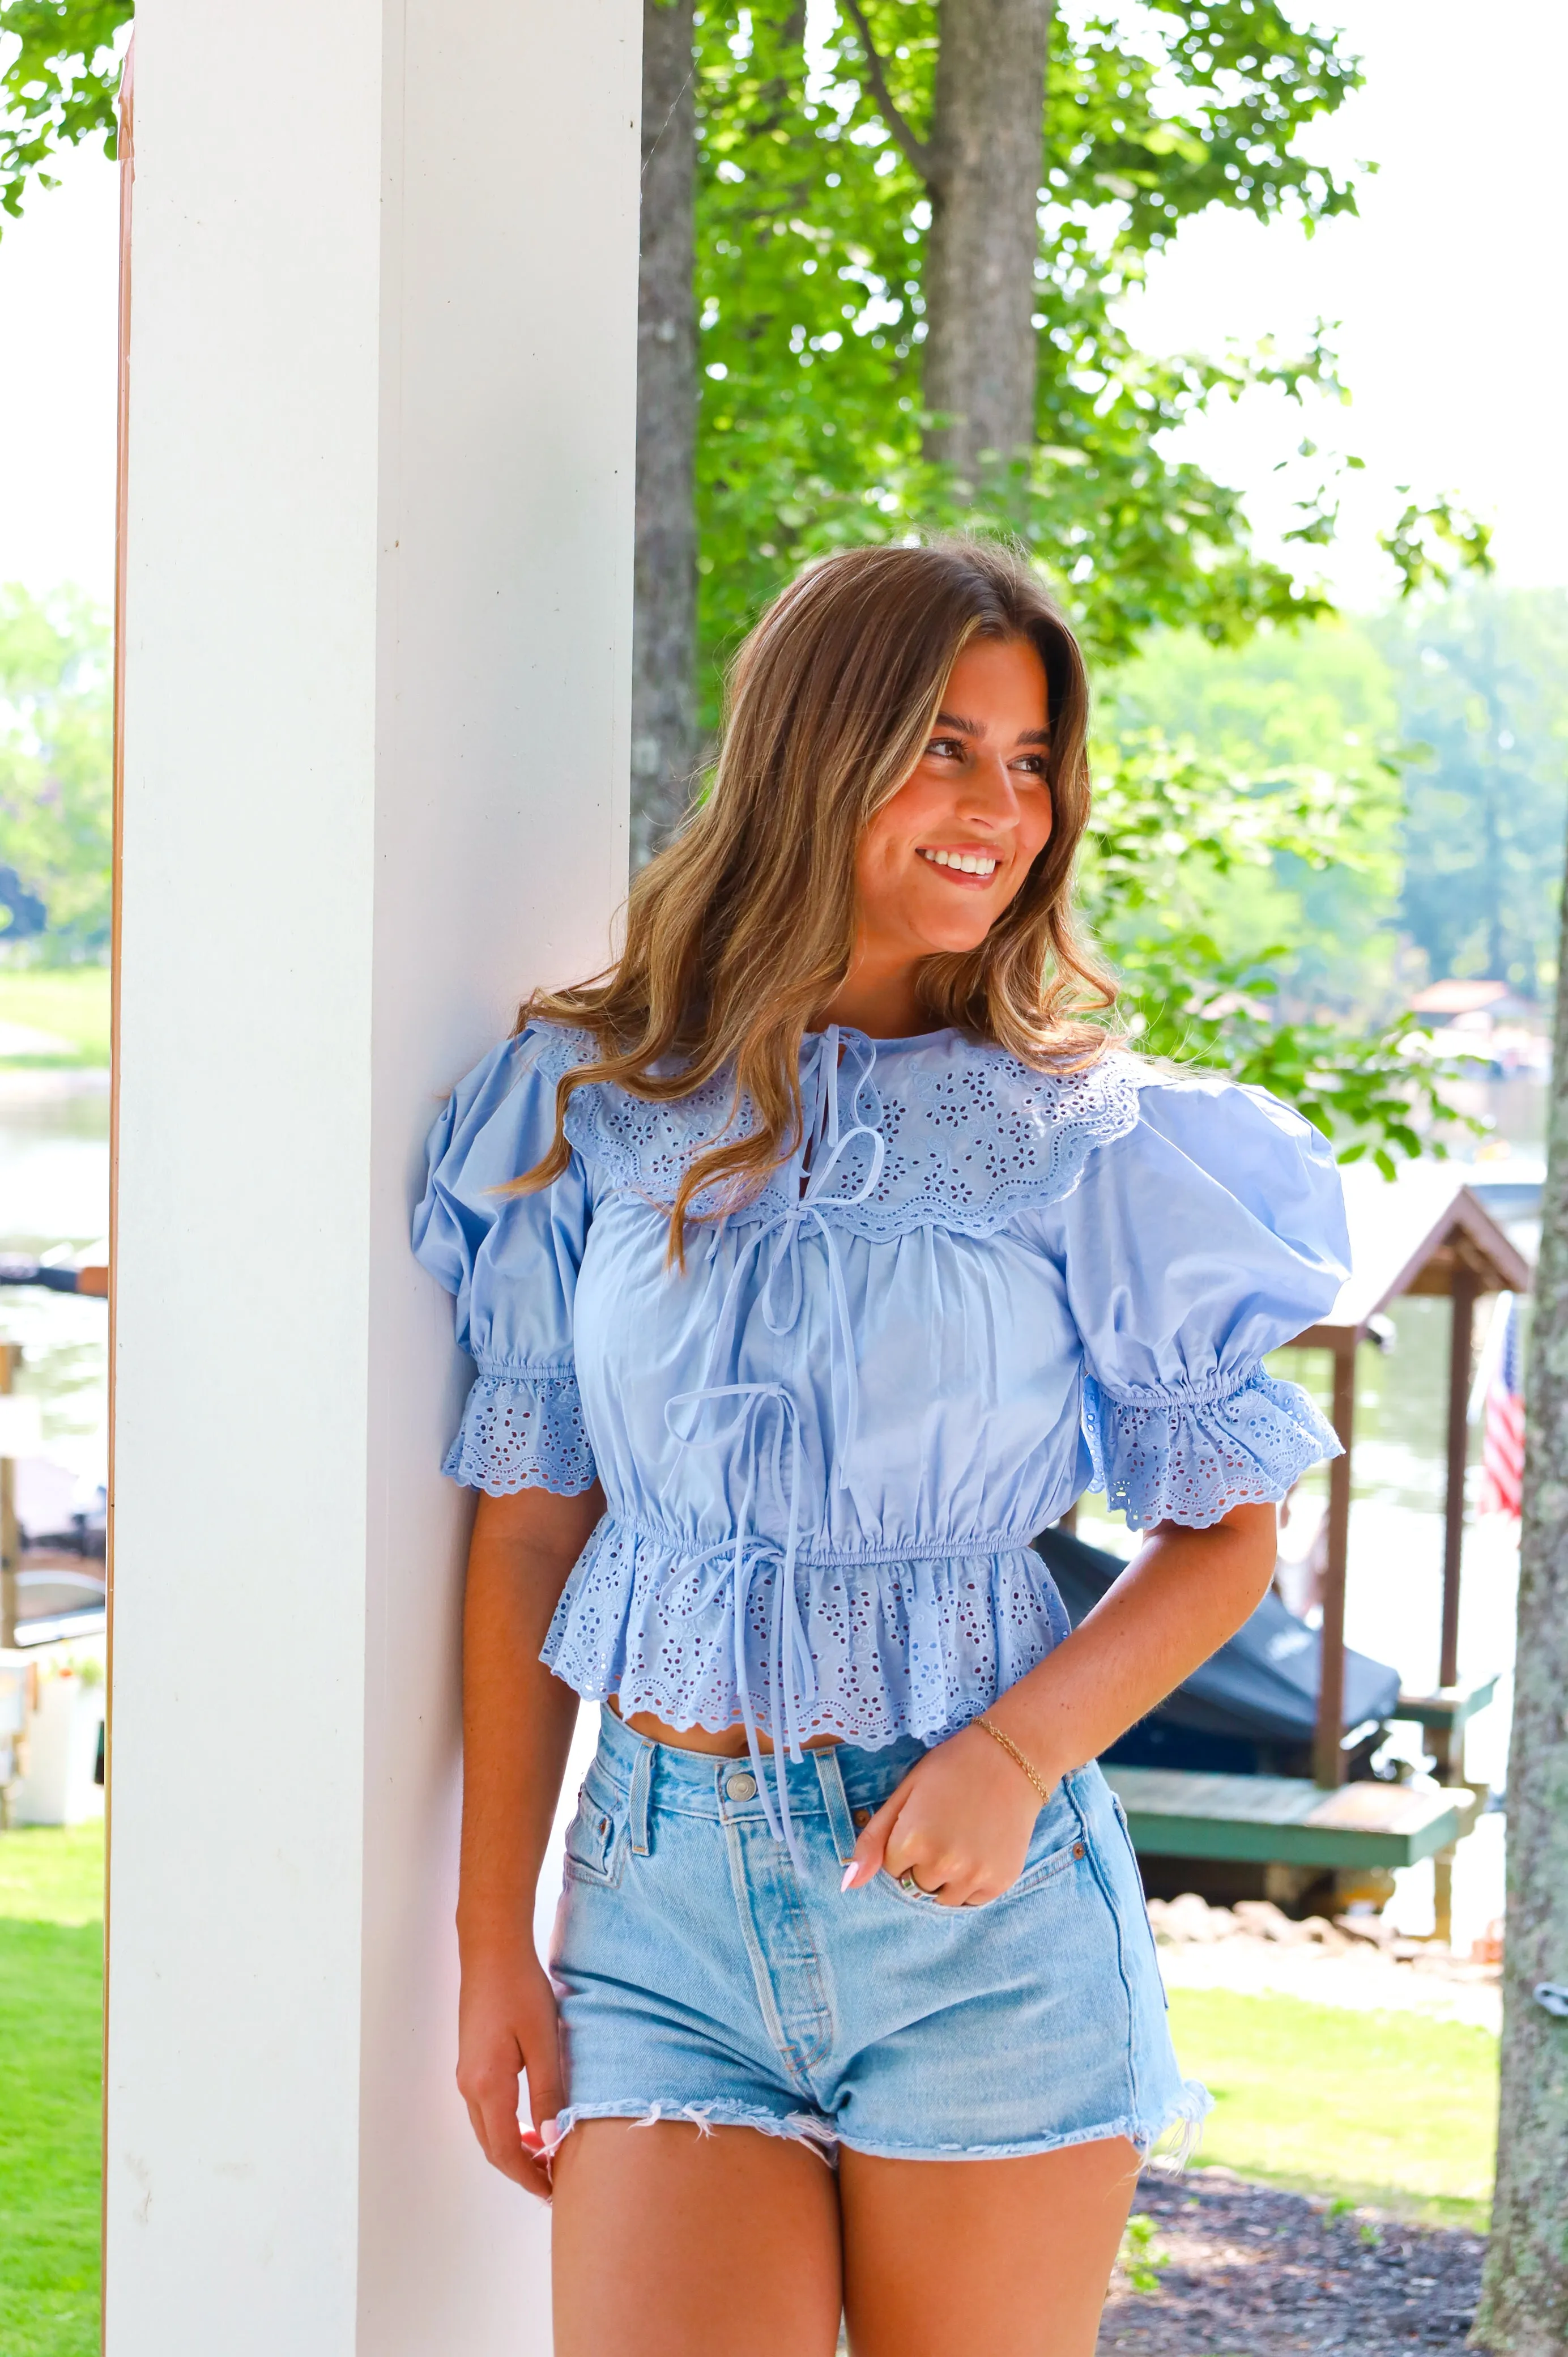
<point>969,1133</point>
<point>907,1647</point>
<point>522,1431</point>
<point>1190,1458</point>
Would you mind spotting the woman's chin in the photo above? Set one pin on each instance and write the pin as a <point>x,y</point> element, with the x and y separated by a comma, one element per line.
<point>959,938</point>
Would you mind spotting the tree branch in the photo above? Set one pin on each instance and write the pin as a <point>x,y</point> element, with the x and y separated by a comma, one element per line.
<point>918,152</point>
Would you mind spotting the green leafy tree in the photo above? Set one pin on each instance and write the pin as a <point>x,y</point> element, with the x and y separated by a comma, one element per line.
<point>1482,683</point>
<point>813,222</point>
<point>55,784</point>
<point>57,85</point>
<point>1317,703</point>
<point>1170,830</point>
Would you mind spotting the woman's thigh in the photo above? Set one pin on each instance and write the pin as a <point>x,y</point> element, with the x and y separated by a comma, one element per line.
<point>1011,2257</point>
<point>675,2243</point>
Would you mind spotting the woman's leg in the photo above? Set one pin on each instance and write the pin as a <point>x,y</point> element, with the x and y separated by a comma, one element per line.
<point>1011,2257</point>
<point>675,2243</point>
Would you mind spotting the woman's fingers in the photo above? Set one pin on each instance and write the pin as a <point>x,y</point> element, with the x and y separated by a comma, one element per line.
<point>870,1850</point>
<point>492,2109</point>
<point>507,2031</point>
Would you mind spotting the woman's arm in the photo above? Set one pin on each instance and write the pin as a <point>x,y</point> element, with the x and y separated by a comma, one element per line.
<point>961,1819</point>
<point>517,1731</point>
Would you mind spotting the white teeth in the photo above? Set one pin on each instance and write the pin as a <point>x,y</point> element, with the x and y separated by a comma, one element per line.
<point>968,863</point>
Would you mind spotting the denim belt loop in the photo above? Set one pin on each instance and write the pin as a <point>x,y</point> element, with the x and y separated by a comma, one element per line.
<point>641,1792</point>
<point>830,1775</point>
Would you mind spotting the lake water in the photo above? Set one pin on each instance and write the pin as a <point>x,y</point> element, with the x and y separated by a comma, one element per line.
<point>54,1194</point>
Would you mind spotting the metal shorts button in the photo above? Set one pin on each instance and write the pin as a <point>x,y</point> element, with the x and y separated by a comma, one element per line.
<point>741,1788</point>
<point>863,1817</point>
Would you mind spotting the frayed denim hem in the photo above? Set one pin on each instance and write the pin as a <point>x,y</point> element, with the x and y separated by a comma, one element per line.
<point>1182,2126</point>
<point>796,2127</point>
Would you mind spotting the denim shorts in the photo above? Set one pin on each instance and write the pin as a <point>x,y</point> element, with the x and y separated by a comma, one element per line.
<point>704,1976</point>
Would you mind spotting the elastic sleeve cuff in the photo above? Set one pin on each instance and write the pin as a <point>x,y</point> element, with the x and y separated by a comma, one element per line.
<point>522,1430</point>
<point>1192,1457</point>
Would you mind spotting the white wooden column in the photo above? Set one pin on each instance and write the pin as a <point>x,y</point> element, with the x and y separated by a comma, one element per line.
<point>378,615</point>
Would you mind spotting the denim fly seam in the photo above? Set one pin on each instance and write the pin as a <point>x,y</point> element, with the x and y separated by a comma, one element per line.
<point>709,1978</point>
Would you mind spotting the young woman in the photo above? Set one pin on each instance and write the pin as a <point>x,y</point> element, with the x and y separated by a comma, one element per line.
<point>814,1258</point>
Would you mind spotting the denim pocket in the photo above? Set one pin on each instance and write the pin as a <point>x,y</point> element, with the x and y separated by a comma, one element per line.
<point>592,1850</point>
<point>1037,1872</point>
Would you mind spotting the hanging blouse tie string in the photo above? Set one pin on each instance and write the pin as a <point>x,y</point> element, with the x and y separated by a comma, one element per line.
<point>792,1674</point>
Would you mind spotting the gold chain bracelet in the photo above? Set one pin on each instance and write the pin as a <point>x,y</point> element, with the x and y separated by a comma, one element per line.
<point>1010,1748</point>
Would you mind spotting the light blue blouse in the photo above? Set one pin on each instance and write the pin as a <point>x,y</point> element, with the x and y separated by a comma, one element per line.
<point>976,1291</point>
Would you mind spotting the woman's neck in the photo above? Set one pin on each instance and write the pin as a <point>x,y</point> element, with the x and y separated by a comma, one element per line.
<point>884,1003</point>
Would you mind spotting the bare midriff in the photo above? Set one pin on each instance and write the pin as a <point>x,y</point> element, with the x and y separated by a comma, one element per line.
<point>727,1743</point>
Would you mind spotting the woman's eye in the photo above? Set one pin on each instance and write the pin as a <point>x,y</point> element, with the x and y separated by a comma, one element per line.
<point>1032,763</point>
<point>947,748</point>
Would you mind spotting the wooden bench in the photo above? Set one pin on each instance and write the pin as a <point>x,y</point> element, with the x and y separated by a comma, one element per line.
<point>1446,1714</point>
<point>1286,1820</point>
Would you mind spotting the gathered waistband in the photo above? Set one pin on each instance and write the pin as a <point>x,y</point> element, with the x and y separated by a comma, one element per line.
<point>683,1546</point>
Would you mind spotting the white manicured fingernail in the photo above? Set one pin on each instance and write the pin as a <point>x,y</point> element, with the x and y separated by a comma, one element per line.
<point>851,1874</point>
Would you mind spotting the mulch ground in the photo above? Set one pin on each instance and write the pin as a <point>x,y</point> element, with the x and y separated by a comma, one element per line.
<point>1249,2272</point>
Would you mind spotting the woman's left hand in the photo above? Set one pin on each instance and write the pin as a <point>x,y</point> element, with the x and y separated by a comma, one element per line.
<point>960,1822</point>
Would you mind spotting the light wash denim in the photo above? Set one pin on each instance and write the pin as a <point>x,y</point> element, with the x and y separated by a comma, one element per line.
<point>706,1974</point>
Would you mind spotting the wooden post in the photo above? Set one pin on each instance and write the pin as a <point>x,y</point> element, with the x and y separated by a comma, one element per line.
<point>1466,1289</point>
<point>1328,1759</point>
<point>10,1542</point>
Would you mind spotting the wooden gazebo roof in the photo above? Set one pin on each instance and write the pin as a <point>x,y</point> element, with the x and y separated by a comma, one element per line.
<point>1424,1231</point>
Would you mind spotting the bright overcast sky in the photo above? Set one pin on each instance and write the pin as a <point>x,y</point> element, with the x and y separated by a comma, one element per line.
<point>1447,288</point>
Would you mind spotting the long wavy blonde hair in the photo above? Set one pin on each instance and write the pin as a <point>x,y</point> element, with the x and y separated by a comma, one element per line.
<point>743,927</point>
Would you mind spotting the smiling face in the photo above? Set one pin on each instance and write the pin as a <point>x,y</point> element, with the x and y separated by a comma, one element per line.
<point>941,860</point>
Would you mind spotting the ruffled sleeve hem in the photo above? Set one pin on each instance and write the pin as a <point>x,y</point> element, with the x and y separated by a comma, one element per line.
<point>523,1429</point>
<point>1192,1456</point>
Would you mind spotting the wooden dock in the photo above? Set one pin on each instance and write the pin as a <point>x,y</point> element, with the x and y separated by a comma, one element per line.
<point>1287,1820</point>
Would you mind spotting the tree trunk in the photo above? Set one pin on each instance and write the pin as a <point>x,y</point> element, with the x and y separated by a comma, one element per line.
<point>1525,2298</point>
<point>986,160</point>
<point>664,745</point>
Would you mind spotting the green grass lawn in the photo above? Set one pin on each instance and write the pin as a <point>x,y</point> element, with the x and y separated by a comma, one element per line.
<point>1384,2108</point>
<point>51,1985</point>
<point>72,1002</point>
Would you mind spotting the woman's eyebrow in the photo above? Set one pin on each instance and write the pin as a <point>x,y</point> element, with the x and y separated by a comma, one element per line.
<point>977,728</point>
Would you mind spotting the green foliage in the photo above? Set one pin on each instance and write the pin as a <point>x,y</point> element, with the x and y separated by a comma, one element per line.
<point>56,783</point>
<point>1140,2258</point>
<point>812,227</point>
<point>1172,832</point>
<point>58,86</point>
<point>1425,540</point>
<point>1482,683</point>
<point>1317,705</point>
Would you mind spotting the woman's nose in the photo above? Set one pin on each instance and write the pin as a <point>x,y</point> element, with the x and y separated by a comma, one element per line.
<point>989,796</point>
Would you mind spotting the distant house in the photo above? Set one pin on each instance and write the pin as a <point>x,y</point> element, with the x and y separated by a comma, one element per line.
<point>1486,1019</point>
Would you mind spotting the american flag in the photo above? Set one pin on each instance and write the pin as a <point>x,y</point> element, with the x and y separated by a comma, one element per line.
<point>1502,1440</point>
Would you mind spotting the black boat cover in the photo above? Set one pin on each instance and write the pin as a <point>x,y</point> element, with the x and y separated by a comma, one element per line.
<point>1261,1687</point>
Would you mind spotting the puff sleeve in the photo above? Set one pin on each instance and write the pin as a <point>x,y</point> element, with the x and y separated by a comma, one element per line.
<point>1210,1233</point>
<point>512,1260</point>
